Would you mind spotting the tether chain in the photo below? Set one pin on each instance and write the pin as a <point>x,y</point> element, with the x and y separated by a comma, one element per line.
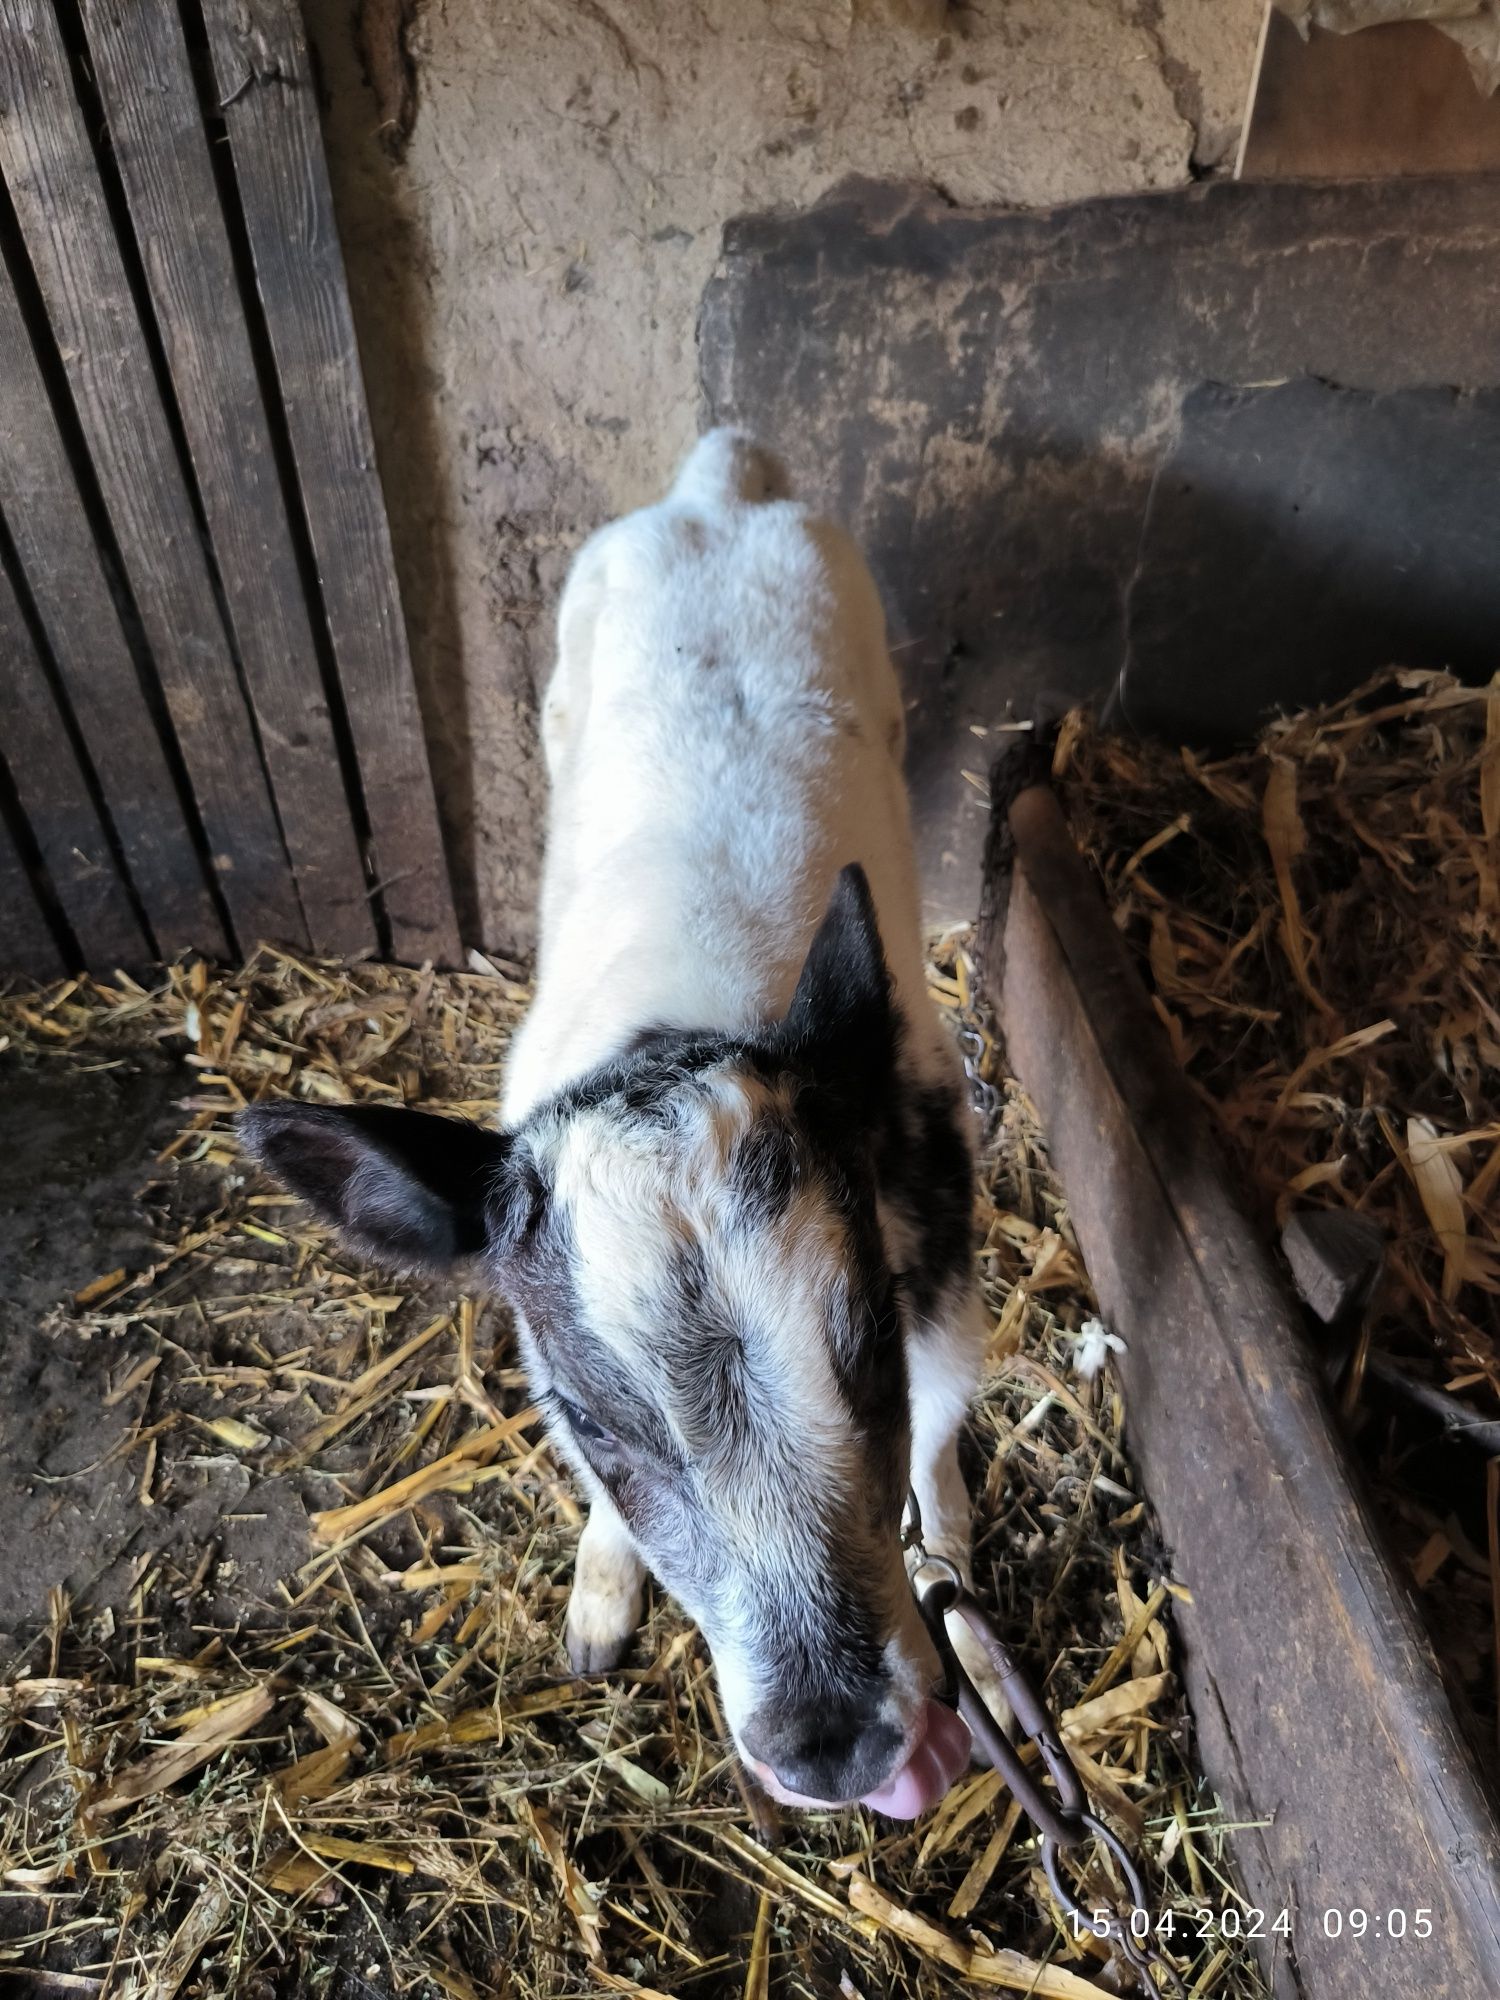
<point>1066,1823</point>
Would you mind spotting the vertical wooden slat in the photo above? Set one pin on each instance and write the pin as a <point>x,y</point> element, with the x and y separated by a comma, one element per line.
<point>146,83</point>
<point>66,583</point>
<point>49,167</point>
<point>266,87</point>
<point>26,942</point>
<point>54,794</point>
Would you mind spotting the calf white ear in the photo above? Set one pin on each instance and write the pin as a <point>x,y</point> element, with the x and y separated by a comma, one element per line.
<point>403,1188</point>
<point>841,1025</point>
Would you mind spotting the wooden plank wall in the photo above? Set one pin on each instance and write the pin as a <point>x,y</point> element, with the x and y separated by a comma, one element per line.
<point>52,794</point>
<point>208,720</point>
<point>78,617</point>
<point>22,920</point>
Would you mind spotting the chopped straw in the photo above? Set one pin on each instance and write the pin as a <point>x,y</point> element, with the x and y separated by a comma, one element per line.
<point>1318,918</point>
<point>358,1765</point>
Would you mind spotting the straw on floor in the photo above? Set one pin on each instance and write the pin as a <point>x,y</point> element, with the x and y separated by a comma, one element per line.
<point>380,1779</point>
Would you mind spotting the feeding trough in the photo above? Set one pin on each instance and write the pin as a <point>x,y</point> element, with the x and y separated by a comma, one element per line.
<point>1315,1689</point>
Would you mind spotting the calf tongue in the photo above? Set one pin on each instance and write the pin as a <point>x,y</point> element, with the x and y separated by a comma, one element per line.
<point>940,1756</point>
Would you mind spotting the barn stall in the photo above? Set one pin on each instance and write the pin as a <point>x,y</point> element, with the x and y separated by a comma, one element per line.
<point>286,1706</point>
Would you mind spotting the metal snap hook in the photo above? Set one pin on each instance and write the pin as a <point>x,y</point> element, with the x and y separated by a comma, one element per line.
<point>1063,1821</point>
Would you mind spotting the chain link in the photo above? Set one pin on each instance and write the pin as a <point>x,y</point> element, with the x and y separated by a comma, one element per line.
<point>973,1043</point>
<point>975,1040</point>
<point>1143,1955</point>
<point>1064,1823</point>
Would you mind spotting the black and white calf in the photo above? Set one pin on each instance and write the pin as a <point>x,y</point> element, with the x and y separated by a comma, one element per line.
<point>730,1195</point>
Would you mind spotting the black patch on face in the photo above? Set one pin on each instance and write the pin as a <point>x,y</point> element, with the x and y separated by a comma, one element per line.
<point>828,1644</point>
<point>867,1341</point>
<point>641,1465</point>
<point>765,1172</point>
<point>927,1173</point>
<point>871,1369</point>
<point>646,1078</point>
<point>818,1149</point>
<point>708,1354</point>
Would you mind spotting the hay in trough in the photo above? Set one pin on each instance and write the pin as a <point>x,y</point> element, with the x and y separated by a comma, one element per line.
<point>373,1775</point>
<point>1319,922</point>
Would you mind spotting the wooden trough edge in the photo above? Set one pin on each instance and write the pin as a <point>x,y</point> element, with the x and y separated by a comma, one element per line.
<point>1318,1701</point>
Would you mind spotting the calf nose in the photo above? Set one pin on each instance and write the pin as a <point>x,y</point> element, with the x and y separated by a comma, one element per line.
<point>829,1751</point>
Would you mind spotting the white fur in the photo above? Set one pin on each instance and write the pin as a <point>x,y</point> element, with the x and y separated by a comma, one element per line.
<point>634,1201</point>
<point>723,733</point>
<point>716,657</point>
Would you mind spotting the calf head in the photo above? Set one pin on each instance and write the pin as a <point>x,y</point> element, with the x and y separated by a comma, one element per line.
<point>691,1241</point>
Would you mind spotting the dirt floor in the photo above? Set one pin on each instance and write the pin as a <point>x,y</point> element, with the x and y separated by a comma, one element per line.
<point>83,1196</point>
<point>283,1704</point>
<point>72,1149</point>
<point>531,201</point>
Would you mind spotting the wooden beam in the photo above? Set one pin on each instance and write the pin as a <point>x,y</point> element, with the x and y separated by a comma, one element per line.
<point>54,793</point>
<point>1316,1695</point>
<point>66,582</point>
<point>27,945</point>
<point>145,82</point>
<point>1394,99</point>
<point>266,87</point>
<point>50,170</point>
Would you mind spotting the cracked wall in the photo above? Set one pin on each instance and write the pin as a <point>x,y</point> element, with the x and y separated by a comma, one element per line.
<point>531,199</point>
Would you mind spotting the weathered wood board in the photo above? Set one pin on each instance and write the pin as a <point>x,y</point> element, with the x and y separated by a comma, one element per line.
<point>1393,99</point>
<point>30,946</point>
<point>204,653</point>
<point>49,168</point>
<point>1316,1695</point>
<point>44,513</point>
<point>266,88</point>
<point>55,795</point>
<point>146,86</point>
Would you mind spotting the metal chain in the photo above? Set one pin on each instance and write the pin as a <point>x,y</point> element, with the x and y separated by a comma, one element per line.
<point>974,1042</point>
<point>984,1098</point>
<point>1065,1822</point>
<point>1142,1954</point>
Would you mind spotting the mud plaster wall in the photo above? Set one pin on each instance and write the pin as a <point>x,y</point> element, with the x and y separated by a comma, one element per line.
<point>531,198</point>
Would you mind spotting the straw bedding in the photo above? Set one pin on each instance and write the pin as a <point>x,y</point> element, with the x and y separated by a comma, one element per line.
<point>1319,921</point>
<point>376,1777</point>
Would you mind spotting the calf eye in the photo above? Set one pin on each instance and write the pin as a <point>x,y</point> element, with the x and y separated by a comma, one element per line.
<point>583,1423</point>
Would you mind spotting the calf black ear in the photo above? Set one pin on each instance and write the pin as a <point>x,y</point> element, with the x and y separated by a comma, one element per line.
<point>403,1188</point>
<point>841,1025</point>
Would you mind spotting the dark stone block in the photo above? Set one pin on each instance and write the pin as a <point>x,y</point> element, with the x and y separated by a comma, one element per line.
<point>1300,538</point>
<point>988,398</point>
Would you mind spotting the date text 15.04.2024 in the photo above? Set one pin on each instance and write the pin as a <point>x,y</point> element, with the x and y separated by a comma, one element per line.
<point>1205,1926</point>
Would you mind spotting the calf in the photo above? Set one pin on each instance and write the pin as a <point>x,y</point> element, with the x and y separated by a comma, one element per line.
<point>730,1195</point>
